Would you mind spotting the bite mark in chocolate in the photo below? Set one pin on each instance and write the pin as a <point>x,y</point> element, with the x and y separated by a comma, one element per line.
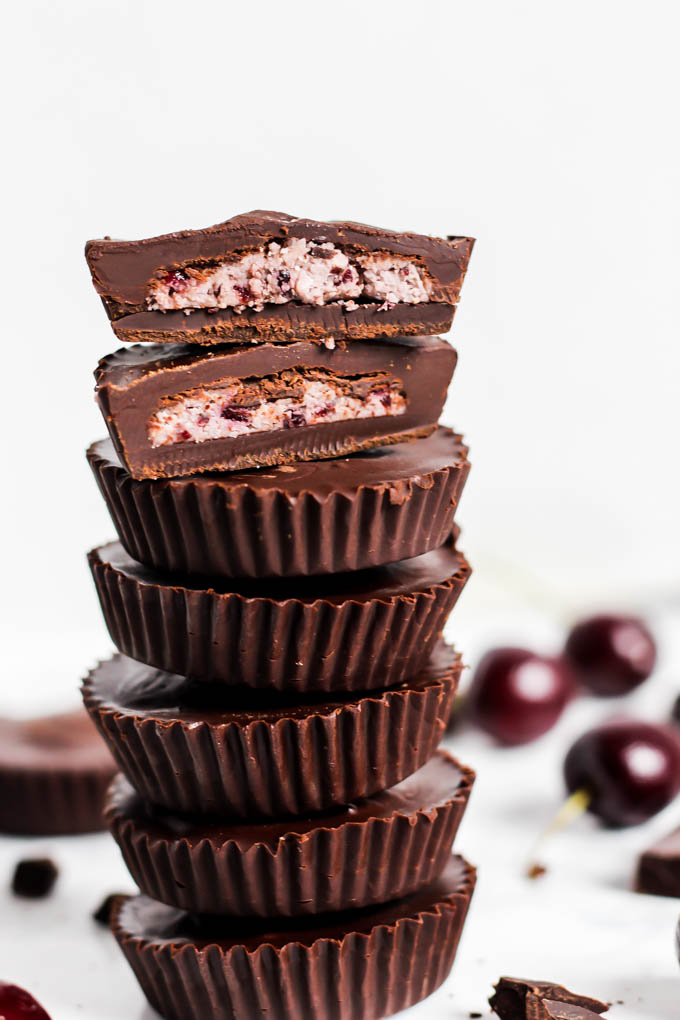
<point>290,399</point>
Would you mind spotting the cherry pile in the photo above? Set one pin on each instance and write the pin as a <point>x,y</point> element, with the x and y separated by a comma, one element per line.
<point>517,695</point>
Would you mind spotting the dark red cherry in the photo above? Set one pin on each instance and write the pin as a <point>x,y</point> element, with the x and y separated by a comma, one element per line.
<point>516,695</point>
<point>630,770</point>
<point>16,1004</point>
<point>610,654</point>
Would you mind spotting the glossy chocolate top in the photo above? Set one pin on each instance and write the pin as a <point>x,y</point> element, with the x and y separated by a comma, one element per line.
<point>427,791</point>
<point>149,921</point>
<point>419,574</point>
<point>130,687</point>
<point>121,270</point>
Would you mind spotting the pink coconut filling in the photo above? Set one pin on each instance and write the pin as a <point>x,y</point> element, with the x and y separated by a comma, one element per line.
<point>301,270</point>
<point>212,414</point>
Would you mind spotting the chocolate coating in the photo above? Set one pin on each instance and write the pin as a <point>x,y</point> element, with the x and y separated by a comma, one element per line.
<point>318,517</point>
<point>240,753</point>
<point>357,965</point>
<point>357,631</point>
<point>658,870</point>
<point>374,850</point>
<point>54,771</point>
<point>121,270</point>
<point>132,383</point>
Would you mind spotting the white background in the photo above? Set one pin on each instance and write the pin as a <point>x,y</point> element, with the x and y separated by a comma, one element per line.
<point>548,131</point>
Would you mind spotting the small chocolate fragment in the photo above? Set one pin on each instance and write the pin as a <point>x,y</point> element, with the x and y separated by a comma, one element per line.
<point>375,850</point>
<point>658,870</point>
<point>269,275</point>
<point>34,878</point>
<point>519,998</point>
<point>102,915</point>
<point>353,965</point>
<point>241,753</point>
<point>176,410</point>
<point>547,1009</point>
<point>320,517</point>
<point>356,631</point>
<point>54,772</point>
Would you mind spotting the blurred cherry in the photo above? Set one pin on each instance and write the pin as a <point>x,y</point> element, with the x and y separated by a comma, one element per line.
<point>627,770</point>
<point>516,695</point>
<point>17,1004</point>
<point>610,654</point>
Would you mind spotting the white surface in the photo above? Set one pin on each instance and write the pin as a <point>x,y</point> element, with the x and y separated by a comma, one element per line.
<point>580,925</point>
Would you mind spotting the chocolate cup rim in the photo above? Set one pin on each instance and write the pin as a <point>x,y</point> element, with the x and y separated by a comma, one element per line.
<point>460,794</point>
<point>463,567</point>
<point>221,479</point>
<point>465,890</point>
<point>95,703</point>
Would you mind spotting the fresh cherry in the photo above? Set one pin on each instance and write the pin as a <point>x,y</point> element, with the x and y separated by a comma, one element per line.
<point>627,770</point>
<point>17,1004</point>
<point>610,654</point>
<point>516,695</point>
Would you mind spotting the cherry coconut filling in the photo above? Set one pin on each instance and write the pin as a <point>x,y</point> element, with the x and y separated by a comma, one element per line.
<point>289,399</point>
<point>308,272</point>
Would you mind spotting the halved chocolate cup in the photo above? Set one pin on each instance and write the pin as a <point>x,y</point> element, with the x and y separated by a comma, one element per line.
<point>356,965</point>
<point>238,753</point>
<point>324,517</point>
<point>356,631</point>
<point>373,850</point>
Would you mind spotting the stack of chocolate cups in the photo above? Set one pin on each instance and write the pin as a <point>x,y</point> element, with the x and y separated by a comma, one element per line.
<point>287,560</point>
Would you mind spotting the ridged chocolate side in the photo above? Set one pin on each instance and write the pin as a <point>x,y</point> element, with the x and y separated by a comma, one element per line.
<point>387,853</point>
<point>209,525</point>
<point>52,803</point>
<point>288,645</point>
<point>360,976</point>
<point>329,756</point>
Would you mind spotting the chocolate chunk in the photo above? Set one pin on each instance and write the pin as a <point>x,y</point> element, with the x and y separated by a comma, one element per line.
<point>357,631</point>
<point>34,878</point>
<point>551,1010</point>
<point>658,870</point>
<point>353,965</point>
<point>519,998</point>
<point>102,915</point>
<point>54,772</point>
<point>307,278</point>
<point>294,520</point>
<point>326,861</point>
<point>177,410</point>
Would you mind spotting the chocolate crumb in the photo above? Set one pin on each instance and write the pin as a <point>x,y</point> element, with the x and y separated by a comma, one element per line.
<point>34,879</point>
<point>536,870</point>
<point>474,1016</point>
<point>102,915</point>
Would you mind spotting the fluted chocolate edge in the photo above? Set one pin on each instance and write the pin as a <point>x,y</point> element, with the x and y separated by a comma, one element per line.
<point>53,802</point>
<point>319,646</point>
<point>362,976</point>
<point>287,767</point>
<point>204,527</point>
<point>356,864</point>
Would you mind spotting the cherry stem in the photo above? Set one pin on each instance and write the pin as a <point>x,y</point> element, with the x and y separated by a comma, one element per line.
<point>574,806</point>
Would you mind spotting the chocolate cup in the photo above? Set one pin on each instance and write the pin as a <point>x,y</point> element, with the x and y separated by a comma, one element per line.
<point>355,631</point>
<point>54,773</point>
<point>309,518</point>
<point>357,965</point>
<point>372,851</point>
<point>193,747</point>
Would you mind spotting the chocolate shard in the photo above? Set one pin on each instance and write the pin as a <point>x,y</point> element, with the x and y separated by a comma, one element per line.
<point>519,998</point>
<point>658,869</point>
<point>54,772</point>
<point>177,410</point>
<point>314,517</point>
<point>547,1009</point>
<point>34,878</point>
<point>266,275</point>
<point>352,965</point>
<point>357,631</point>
